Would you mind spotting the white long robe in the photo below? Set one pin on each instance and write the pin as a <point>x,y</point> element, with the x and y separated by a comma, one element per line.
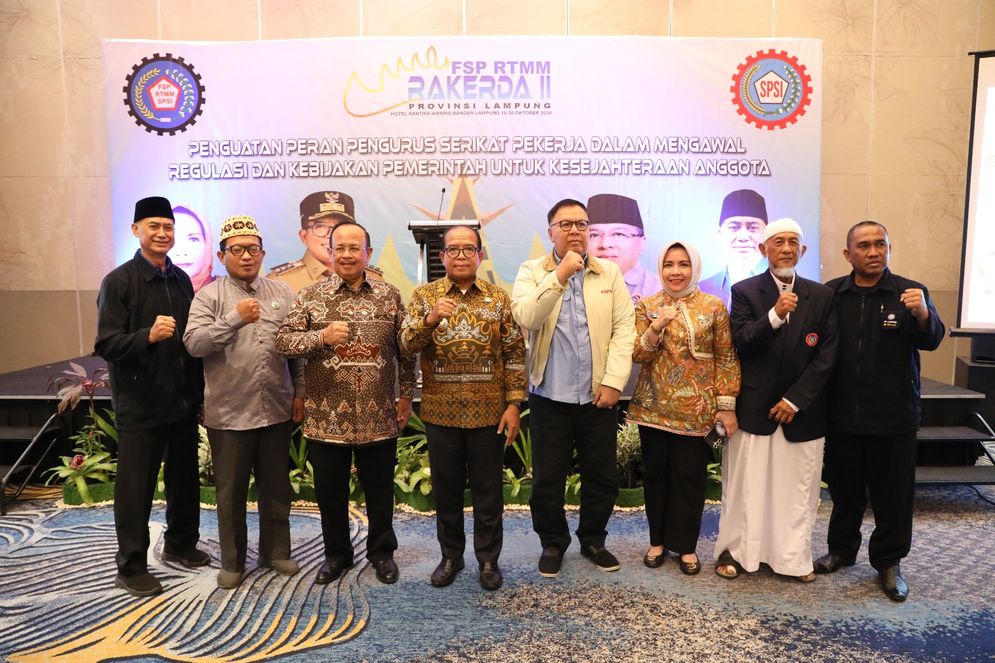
<point>770,495</point>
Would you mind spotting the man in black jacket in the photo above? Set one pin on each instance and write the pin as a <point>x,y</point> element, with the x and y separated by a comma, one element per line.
<point>885,320</point>
<point>785,333</point>
<point>157,391</point>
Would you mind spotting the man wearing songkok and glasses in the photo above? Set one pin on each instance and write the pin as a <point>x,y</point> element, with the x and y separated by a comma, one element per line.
<point>785,332</point>
<point>252,398</point>
<point>616,234</point>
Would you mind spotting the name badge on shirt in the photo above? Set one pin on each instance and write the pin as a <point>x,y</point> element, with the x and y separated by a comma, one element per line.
<point>891,320</point>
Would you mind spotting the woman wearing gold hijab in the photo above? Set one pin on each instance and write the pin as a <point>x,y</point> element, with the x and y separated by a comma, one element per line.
<point>688,382</point>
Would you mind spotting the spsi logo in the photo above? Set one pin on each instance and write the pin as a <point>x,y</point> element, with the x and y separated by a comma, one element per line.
<point>164,94</point>
<point>771,89</point>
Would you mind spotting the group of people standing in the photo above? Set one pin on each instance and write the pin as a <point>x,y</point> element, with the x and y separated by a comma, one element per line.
<point>795,365</point>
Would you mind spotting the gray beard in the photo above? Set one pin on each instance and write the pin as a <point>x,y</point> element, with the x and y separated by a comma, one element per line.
<point>783,273</point>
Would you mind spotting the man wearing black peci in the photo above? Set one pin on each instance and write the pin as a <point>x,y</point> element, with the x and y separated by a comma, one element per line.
<point>157,390</point>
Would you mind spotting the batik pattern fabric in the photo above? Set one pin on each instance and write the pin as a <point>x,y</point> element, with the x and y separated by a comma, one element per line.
<point>691,372</point>
<point>474,364</point>
<point>349,388</point>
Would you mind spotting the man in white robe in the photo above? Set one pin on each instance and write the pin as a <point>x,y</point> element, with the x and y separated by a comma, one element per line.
<point>785,332</point>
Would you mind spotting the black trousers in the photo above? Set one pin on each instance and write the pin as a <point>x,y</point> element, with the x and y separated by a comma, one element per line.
<point>884,468</point>
<point>139,455</point>
<point>451,453</point>
<point>264,452</point>
<point>674,486</point>
<point>558,429</point>
<point>375,465</point>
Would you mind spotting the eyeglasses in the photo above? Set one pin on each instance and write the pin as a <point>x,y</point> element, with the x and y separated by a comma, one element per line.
<point>566,226</point>
<point>253,249</point>
<point>615,236</point>
<point>321,229</point>
<point>342,249</point>
<point>456,251</point>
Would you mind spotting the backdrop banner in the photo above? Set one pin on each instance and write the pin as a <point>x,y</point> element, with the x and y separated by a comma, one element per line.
<point>506,125</point>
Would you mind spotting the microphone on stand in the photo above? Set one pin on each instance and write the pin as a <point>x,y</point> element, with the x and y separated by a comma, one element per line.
<point>438,216</point>
<point>445,321</point>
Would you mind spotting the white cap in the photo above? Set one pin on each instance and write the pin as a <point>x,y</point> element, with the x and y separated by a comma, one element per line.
<point>784,225</point>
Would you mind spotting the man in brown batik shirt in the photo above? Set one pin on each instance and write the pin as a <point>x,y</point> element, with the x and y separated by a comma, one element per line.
<point>347,326</point>
<point>473,371</point>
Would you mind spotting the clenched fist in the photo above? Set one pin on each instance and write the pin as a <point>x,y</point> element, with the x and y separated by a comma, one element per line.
<point>335,333</point>
<point>571,263</point>
<point>787,302</point>
<point>163,327</point>
<point>444,307</point>
<point>664,316</point>
<point>248,310</point>
<point>915,302</point>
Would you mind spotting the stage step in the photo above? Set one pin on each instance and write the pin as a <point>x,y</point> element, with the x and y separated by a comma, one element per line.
<point>17,433</point>
<point>952,434</point>
<point>971,474</point>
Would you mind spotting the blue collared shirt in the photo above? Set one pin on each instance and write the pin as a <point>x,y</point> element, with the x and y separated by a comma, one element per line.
<point>569,369</point>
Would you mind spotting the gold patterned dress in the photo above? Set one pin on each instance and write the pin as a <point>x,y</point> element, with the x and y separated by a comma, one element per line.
<point>692,372</point>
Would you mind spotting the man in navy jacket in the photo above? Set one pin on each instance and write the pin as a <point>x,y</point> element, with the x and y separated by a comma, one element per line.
<point>157,390</point>
<point>885,320</point>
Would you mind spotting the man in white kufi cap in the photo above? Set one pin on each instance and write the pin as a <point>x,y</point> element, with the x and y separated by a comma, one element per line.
<point>785,332</point>
<point>252,401</point>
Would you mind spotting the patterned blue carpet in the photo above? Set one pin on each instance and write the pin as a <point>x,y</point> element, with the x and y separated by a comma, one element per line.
<point>57,601</point>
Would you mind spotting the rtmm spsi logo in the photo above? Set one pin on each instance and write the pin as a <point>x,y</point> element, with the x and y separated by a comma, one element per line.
<point>164,94</point>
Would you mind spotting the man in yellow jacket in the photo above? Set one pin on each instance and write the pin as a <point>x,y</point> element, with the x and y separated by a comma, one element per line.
<point>580,322</point>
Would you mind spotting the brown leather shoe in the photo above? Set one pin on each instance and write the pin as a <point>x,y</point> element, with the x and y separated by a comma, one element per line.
<point>446,572</point>
<point>490,576</point>
<point>387,571</point>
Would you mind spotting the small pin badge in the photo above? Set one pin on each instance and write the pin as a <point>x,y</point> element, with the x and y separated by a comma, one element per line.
<point>811,340</point>
<point>276,306</point>
<point>891,316</point>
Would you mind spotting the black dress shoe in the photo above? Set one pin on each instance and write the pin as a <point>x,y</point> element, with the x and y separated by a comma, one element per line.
<point>550,562</point>
<point>446,572</point>
<point>331,571</point>
<point>602,559</point>
<point>386,569</point>
<point>490,576</point>
<point>893,583</point>
<point>830,563</point>
<point>143,584</point>
<point>654,561</point>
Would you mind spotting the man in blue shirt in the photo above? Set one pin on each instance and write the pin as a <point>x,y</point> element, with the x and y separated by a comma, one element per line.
<point>578,313</point>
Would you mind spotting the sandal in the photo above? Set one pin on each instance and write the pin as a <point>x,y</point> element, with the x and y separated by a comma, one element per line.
<point>726,567</point>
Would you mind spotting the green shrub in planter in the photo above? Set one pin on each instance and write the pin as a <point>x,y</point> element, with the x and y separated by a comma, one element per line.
<point>99,492</point>
<point>630,497</point>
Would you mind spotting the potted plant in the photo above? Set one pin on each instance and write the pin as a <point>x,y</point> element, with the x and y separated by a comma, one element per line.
<point>92,464</point>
